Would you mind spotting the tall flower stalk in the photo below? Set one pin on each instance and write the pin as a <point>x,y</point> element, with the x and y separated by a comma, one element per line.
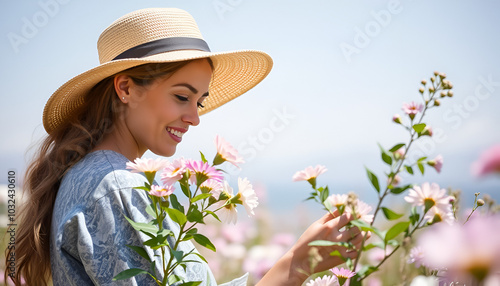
<point>428,208</point>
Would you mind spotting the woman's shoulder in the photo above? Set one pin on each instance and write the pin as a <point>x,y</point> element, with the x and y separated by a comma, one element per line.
<point>95,176</point>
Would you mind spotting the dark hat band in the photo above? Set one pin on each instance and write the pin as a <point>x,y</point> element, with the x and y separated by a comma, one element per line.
<point>164,45</point>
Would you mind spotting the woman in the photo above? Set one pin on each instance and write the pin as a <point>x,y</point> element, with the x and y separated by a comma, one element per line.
<point>156,76</point>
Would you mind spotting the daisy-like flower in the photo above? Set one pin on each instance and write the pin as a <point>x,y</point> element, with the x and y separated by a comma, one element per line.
<point>362,211</point>
<point>247,196</point>
<point>228,212</point>
<point>161,191</point>
<point>202,171</point>
<point>416,256</point>
<point>438,214</point>
<point>174,171</point>
<point>309,174</point>
<point>412,108</point>
<point>211,186</point>
<point>226,152</point>
<point>324,281</point>
<point>146,165</point>
<point>427,131</point>
<point>336,200</point>
<point>342,274</point>
<point>436,163</point>
<point>397,118</point>
<point>428,195</point>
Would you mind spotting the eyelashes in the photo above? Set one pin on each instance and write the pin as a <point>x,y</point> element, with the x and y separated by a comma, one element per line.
<point>184,99</point>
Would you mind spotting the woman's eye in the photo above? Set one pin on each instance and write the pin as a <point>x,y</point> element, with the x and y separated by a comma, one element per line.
<point>182,98</point>
<point>200,105</point>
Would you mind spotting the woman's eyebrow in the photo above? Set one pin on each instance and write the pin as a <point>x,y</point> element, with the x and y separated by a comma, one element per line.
<point>191,88</point>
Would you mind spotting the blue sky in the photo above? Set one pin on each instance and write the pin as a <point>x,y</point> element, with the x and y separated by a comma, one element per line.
<point>341,70</point>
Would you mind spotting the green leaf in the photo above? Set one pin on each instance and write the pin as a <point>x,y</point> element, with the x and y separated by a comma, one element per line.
<point>396,229</point>
<point>396,147</point>
<point>201,197</point>
<point>204,241</point>
<point>419,127</point>
<point>150,211</point>
<point>200,256</point>
<point>212,214</point>
<point>337,253</point>
<point>203,157</point>
<point>420,167</point>
<point>415,216</point>
<point>148,227</point>
<point>126,274</point>
<point>142,188</point>
<point>366,227</point>
<point>409,169</point>
<point>390,215</point>
<point>373,179</point>
<point>399,190</point>
<point>175,203</point>
<point>176,216</point>
<point>185,189</point>
<point>373,245</point>
<point>178,255</point>
<point>173,278</point>
<point>421,159</point>
<point>194,215</point>
<point>354,281</point>
<point>324,194</point>
<point>191,283</point>
<point>386,158</point>
<point>329,243</point>
<point>141,251</point>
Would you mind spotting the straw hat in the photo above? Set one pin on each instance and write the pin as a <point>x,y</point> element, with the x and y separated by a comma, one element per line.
<point>158,35</point>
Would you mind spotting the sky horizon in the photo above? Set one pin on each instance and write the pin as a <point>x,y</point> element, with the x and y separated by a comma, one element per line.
<point>341,71</point>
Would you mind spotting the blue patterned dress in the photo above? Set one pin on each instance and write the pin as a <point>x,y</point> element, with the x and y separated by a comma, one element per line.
<point>89,231</point>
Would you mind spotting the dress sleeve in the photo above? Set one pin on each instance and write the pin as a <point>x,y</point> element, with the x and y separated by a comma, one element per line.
<point>104,233</point>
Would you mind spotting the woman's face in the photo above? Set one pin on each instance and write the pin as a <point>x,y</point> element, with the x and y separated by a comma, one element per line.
<point>158,115</point>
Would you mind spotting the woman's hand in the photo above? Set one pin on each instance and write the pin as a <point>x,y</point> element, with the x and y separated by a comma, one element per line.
<point>287,269</point>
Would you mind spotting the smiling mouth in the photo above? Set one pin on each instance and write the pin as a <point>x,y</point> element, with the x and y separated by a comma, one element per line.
<point>174,132</point>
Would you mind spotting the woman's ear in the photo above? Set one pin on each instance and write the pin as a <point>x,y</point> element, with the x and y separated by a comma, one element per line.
<point>122,84</point>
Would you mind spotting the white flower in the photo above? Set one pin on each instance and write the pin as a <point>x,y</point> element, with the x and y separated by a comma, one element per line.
<point>362,211</point>
<point>173,171</point>
<point>324,281</point>
<point>227,213</point>
<point>443,213</point>
<point>227,152</point>
<point>416,256</point>
<point>336,200</point>
<point>432,194</point>
<point>248,197</point>
<point>146,165</point>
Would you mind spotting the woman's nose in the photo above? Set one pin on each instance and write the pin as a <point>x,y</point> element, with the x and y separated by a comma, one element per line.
<point>191,116</point>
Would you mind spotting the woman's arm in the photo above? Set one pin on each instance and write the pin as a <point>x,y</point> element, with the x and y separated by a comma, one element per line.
<point>286,270</point>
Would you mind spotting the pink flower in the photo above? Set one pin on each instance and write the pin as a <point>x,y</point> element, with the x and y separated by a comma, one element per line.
<point>164,191</point>
<point>202,171</point>
<point>309,173</point>
<point>247,196</point>
<point>343,273</point>
<point>337,200</point>
<point>430,194</point>
<point>362,211</point>
<point>324,281</point>
<point>416,256</point>
<point>437,163</point>
<point>174,171</point>
<point>146,165</point>
<point>488,162</point>
<point>467,251</point>
<point>397,118</point>
<point>226,152</point>
<point>412,108</point>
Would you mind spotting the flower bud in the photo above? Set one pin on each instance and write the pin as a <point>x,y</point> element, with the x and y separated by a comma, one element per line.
<point>431,89</point>
<point>437,102</point>
<point>424,82</point>
<point>443,94</point>
<point>480,203</point>
<point>421,90</point>
<point>436,73</point>
<point>427,131</point>
<point>442,75</point>
<point>397,118</point>
<point>433,79</point>
<point>450,93</point>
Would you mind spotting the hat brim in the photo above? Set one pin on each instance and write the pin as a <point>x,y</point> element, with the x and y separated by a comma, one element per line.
<point>234,73</point>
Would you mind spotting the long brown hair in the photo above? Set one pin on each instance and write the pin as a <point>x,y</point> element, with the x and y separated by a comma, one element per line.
<point>58,152</point>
